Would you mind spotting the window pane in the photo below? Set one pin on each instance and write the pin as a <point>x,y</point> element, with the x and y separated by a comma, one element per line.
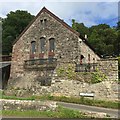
<point>42,44</point>
<point>32,47</point>
<point>51,45</point>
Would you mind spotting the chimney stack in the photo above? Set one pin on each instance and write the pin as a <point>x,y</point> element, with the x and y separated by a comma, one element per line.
<point>85,36</point>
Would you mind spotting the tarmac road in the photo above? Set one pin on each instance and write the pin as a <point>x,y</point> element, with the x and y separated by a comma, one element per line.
<point>113,113</point>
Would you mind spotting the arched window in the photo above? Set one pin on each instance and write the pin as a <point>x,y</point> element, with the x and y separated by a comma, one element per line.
<point>32,49</point>
<point>51,45</point>
<point>42,45</point>
<point>33,43</point>
<point>81,59</point>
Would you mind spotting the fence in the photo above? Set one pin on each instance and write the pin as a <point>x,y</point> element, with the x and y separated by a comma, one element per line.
<point>88,67</point>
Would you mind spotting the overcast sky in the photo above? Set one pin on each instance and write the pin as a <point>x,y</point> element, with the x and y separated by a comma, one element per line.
<point>88,12</point>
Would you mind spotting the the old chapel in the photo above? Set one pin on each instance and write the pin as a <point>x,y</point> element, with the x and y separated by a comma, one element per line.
<point>46,44</point>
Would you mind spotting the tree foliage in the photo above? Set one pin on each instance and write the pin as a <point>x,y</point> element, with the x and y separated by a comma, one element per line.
<point>80,27</point>
<point>104,39</point>
<point>12,26</point>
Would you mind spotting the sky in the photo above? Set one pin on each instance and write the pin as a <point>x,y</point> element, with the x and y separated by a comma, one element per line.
<point>88,12</point>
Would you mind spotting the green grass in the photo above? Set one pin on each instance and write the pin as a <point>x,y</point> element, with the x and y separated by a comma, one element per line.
<point>86,101</point>
<point>60,112</point>
<point>17,98</point>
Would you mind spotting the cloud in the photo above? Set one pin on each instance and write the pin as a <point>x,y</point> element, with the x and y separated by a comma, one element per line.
<point>90,13</point>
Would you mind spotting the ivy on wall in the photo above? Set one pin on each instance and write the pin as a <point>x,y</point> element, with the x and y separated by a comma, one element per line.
<point>98,76</point>
<point>68,72</point>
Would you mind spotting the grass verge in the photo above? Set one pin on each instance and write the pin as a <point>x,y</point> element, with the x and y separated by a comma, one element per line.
<point>85,101</point>
<point>60,112</point>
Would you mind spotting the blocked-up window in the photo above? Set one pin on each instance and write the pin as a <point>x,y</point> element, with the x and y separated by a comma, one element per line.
<point>43,22</point>
<point>42,45</point>
<point>33,50</point>
<point>51,45</point>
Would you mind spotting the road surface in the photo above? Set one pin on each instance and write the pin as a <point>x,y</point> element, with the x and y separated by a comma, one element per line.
<point>114,113</point>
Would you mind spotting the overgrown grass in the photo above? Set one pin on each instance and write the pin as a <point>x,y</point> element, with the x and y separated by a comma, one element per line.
<point>86,101</point>
<point>60,112</point>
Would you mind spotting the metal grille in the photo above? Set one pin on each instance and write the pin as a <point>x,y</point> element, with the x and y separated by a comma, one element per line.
<point>41,63</point>
<point>90,67</point>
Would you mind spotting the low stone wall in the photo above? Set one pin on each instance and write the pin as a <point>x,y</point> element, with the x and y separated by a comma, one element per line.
<point>28,105</point>
<point>109,67</point>
<point>23,105</point>
<point>105,90</point>
<point>65,82</point>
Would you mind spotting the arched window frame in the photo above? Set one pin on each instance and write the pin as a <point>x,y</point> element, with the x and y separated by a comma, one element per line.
<point>42,45</point>
<point>51,45</point>
<point>32,49</point>
<point>51,48</point>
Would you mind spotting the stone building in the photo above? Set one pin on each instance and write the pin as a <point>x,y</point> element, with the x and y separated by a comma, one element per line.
<point>46,44</point>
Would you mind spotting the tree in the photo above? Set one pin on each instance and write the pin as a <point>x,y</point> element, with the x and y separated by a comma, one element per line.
<point>98,27</point>
<point>104,39</point>
<point>80,27</point>
<point>117,44</point>
<point>12,26</point>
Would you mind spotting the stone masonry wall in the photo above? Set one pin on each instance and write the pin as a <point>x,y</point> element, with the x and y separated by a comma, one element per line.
<point>67,51</point>
<point>106,90</point>
<point>66,48</point>
<point>85,51</point>
<point>28,105</point>
<point>65,44</point>
<point>109,67</point>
